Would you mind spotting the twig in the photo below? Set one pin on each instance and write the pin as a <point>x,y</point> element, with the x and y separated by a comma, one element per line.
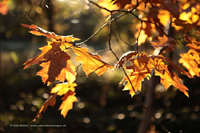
<point>109,44</point>
<point>121,37</point>
<point>77,44</point>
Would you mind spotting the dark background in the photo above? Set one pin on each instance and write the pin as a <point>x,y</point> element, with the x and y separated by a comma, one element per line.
<point>102,105</point>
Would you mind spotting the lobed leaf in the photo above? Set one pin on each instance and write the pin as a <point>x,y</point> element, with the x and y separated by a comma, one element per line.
<point>142,68</point>
<point>91,63</point>
<point>56,68</point>
<point>67,103</point>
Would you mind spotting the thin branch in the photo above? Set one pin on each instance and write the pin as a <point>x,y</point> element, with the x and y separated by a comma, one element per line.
<point>77,44</point>
<point>26,14</point>
<point>121,37</point>
<point>109,44</point>
<point>136,97</point>
<point>150,22</point>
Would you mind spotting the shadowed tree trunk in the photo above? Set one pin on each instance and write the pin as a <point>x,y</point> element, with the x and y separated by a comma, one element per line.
<point>150,94</point>
<point>149,103</point>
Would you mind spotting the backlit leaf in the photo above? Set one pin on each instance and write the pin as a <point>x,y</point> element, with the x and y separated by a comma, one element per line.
<point>56,68</point>
<point>142,68</point>
<point>47,52</point>
<point>164,41</point>
<point>122,3</point>
<point>51,101</point>
<point>3,7</point>
<point>191,60</point>
<point>90,62</point>
<point>67,103</point>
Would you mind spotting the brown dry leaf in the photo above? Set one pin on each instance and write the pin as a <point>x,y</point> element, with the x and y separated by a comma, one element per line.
<point>56,68</point>
<point>90,62</point>
<point>47,52</point>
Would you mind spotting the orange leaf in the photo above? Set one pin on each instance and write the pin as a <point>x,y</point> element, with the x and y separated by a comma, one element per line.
<point>164,41</point>
<point>91,63</point>
<point>175,66</point>
<point>136,79</point>
<point>50,101</point>
<point>67,103</point>
<point>142,68</point>
<point>170,78</point>
<point>195,47</point>
<point>122,3</point>
<point>3,7</point>
<point>146,31</point>
<point>64,40</point>
<point>56,68</point>
<point>191,60</point>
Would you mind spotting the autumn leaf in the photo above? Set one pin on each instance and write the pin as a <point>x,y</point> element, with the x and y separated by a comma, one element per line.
<point>175,66</point>
<point>144,32</point>
<point>90,62</point>
<point>170,78</point>
<point>126,56</point>
<point>122,3</point>
<point>56,68</point>
<point>167,77</point>
<point>138,73</point>
<point>142,68</point>
<point>108,5</point>
<point>194,46</point>
<point>164,17</point>
<point>64,41</point>
<point>67,103</point>
<point>51,101</point>
<point>164,41</point>
<point>63,88</point>
<point>3,7</point>
<point>191,60</point>
<point>47,52</point>
<point>67,89</point>
<point>182,24</point>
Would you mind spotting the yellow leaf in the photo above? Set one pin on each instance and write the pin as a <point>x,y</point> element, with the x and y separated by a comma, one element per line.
<point>67,103</point>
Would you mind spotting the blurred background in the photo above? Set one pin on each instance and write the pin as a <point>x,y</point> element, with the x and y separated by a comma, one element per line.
<point>102,106</point>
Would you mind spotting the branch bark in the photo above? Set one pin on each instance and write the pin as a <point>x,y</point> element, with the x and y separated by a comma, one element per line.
<point>149,103</point>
